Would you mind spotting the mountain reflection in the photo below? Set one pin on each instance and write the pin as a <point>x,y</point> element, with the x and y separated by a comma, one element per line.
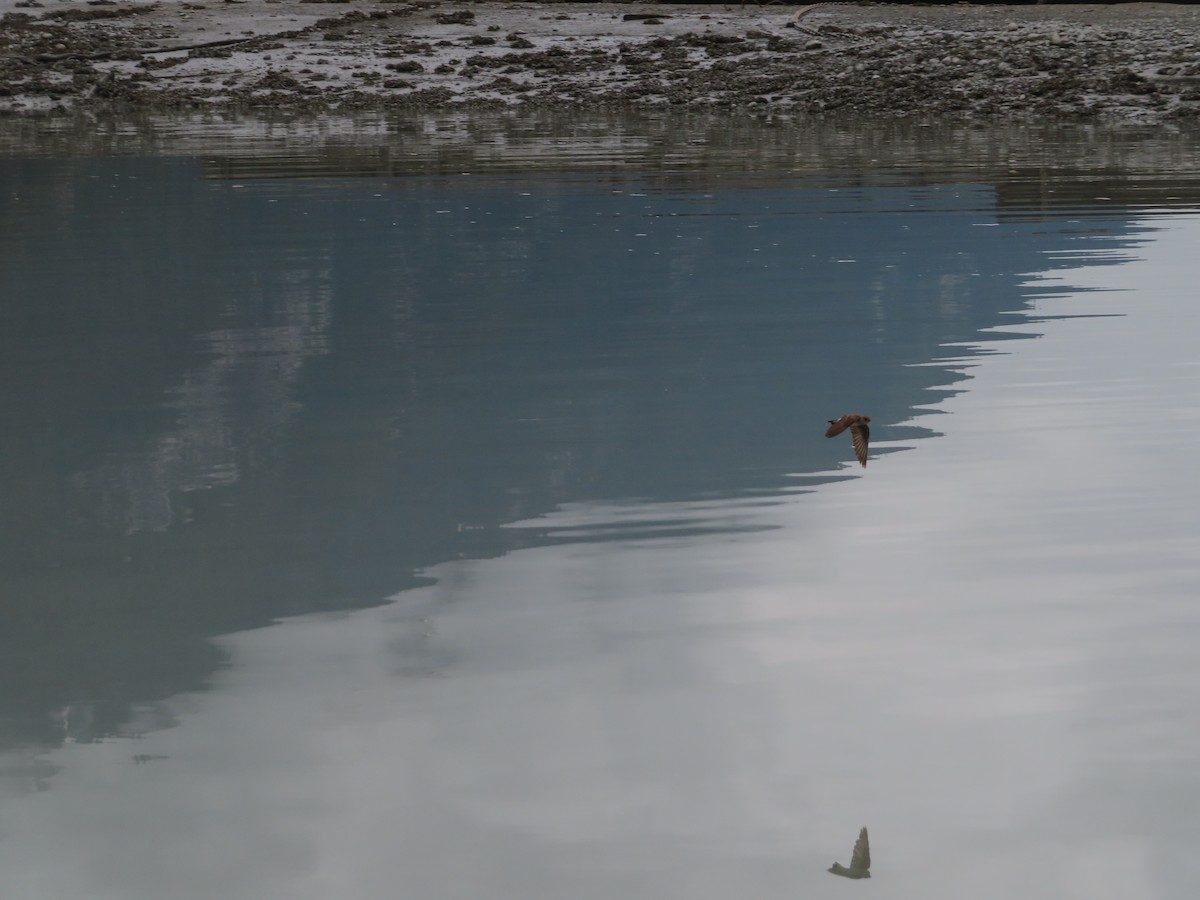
<point>314,390</point>
<point>233,406</point>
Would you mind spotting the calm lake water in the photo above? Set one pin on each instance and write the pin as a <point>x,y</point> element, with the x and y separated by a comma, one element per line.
<point>440,509</point>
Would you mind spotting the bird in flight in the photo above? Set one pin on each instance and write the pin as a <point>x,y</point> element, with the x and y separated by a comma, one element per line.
<point>860,433</point>
<point>860,860</point>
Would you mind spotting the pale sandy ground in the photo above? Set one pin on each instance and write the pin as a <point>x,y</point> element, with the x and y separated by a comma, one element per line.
<point>1126,62</point>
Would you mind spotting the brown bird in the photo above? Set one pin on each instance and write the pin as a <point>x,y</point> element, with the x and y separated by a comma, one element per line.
<point>860,860</point>
<point>860,433</point>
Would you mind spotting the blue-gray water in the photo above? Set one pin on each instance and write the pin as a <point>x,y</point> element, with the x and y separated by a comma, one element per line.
<point>429,513</point>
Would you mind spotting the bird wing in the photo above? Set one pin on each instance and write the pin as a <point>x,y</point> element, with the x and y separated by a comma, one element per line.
<point>860,859</point>
<point>836,427</point>
<point>860,434</point>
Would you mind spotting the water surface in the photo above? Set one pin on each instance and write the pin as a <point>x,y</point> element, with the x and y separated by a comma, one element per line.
<point>441,510</point>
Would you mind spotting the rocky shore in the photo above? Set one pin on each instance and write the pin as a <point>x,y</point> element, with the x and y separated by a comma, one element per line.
<point>1137,62</point>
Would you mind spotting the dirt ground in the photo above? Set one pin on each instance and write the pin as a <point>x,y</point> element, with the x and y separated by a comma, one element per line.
<point>1135,62</point>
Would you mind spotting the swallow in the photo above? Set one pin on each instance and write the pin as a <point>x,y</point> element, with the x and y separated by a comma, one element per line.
<point>860,433</point>
<point>860,860</point>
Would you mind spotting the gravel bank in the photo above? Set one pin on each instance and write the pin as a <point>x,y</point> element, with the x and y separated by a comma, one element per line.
<point>1127,62</point>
